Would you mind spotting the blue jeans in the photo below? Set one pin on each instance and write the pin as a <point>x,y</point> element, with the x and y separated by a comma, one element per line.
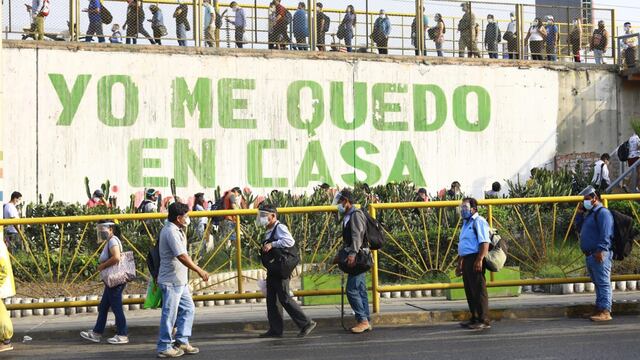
<point>357,295</point>
<point>111,298</point>
<point>177,311</point>
<point>600,274</point>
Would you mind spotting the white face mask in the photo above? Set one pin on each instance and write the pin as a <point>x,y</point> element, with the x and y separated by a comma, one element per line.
<point>490,21</point>
<point>263,221</point>
<point>341,209</point>
<point>575,22</point>
<point>381,16</point>
<point>187,221</point>
<point>627,28</point>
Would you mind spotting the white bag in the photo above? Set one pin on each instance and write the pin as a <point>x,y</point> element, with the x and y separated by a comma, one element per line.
<point>120,273</point>
<point>262,285</point>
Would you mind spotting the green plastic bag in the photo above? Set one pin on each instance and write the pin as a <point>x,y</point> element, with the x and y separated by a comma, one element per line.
<point>154,296</point>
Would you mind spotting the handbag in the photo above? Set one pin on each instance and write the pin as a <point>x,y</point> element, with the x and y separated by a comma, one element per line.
<point>153,300</point>
<point>279,262</point>
<point>162,30</point>
<point>120,273</point>
<point>342,31</point>
<point>105,15</point>
<point>363,262</point>
<point>508,36</point>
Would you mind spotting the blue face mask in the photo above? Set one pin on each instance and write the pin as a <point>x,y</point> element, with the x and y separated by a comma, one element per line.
<point>341,209</point>
<point>587,204</point>
<point>466,214</point>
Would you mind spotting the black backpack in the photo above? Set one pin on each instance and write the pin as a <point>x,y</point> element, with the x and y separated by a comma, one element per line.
<point>218,20</point>
<point>153,259</point>
<point>218,205</point>
<point>144,203</point>
<point>623,151</point>
<point>623,234</point>
<point>374,232</point>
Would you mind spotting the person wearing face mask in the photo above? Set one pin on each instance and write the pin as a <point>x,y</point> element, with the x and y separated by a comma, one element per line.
<point>278,239</point>
<point>472,249</point>
<point>575,39</point>
<point>178,309</point>
<point>511,36</point>
<point>11,234</point>
<point>536,35</point>
<point>381,31</point>
<point>596,233</point>
<point>354,224</point>
<point>468,32</point>
<point>112,297</point>
<point>599,42</point>
<point>629,46</point>
<point>552,39</point>
<point>239,22</point>
<point>492,37</point>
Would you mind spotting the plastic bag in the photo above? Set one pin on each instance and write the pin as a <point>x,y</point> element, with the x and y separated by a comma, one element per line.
<point>154,296</point>
<point>262,285</point>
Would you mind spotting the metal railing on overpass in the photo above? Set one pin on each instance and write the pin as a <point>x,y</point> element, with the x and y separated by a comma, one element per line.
<point>442,30</point>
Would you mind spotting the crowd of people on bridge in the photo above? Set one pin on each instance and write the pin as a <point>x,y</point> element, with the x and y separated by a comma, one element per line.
<point>290,30</point>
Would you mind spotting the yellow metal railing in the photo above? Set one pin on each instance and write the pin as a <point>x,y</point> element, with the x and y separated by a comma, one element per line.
<point>374,210</point>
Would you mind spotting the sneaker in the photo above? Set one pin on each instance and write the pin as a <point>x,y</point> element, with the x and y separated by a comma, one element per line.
<point>118,340</point>
<point>270,334</point>
<point>361,327</point>
<point>479,326</point>
<point>467,324</point>
<point>187,348</point>
<point>604,315</point>
<point>91,336</point>
<point>307,329</point>
<point>6,347</point>
<point>171,353</point>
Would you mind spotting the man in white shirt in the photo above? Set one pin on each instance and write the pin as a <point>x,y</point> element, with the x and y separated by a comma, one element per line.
<point>634,155</point>
<point>10,211</point>
<point>600,179</point>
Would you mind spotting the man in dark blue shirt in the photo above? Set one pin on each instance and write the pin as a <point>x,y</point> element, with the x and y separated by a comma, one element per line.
<point>596,234</point>
<point>95,21</point>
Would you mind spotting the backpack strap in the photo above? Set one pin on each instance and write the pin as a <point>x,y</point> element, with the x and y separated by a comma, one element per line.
<point>272,237</point>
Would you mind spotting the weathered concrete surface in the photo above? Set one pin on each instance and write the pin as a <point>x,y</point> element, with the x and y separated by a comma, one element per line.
<point>533,112</point>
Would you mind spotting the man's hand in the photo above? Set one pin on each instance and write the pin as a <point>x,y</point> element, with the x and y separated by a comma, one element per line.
<point>599,256</point>
<point>477,265</point>
<point>267,247</point>
<point>203,275</point>
<point>459,267</point>
<point>351,261</point>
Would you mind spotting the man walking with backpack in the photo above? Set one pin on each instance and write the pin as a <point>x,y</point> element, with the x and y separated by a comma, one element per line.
<point>596,235</point>
<point>279,239</point>
<point>472,249</point>
<point>354,225</point>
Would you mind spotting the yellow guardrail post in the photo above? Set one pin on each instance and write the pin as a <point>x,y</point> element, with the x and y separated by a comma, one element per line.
<point>239,254</point>
<point>613,36</point>
<point>490,219</point>
<point>375,295</point>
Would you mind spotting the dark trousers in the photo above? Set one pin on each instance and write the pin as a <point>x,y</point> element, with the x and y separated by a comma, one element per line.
<point>475,287</point>
<point>277,298</point>
<point>382,46</point>
<point>95,28</point>
<point>239,37</point>
<point>111,298</point>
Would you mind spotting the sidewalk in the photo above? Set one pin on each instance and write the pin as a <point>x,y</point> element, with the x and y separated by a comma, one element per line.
<point>394,312</point>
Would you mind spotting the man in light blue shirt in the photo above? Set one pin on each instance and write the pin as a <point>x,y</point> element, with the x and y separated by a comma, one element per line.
<point>209,23</point>
<point>278,297</point>
<point>596,235</point>
<point>472,249</point>
<point>239,22</point>
<point>300,27</point>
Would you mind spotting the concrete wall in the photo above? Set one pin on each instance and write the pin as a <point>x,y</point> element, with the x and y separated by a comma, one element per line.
<point>139,116</point>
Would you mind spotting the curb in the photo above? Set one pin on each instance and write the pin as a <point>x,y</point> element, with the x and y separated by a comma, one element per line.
<point>397,319</point>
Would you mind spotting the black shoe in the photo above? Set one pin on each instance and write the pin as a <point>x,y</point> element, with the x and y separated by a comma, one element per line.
<point>479,326</point>
<point>307,329</point>
<point>467,324</point>
<point>270,334</point>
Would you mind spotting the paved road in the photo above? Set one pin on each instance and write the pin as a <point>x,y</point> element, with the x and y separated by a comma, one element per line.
<point>512,339</point>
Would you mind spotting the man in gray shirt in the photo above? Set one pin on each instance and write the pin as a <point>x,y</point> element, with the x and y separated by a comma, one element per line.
<point>173,278</point>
